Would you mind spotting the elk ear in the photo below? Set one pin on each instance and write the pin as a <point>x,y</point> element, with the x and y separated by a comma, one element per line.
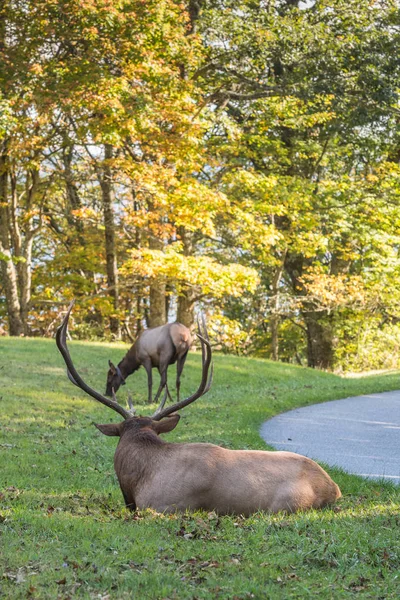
<point>110,429</point>
<point>112,367</point>
<point>167,424</point>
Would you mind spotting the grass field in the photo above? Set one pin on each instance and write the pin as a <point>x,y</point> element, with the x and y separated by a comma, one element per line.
<point>64,531</point>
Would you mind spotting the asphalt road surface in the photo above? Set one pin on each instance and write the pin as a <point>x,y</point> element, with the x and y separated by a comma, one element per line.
<point>361,435</point>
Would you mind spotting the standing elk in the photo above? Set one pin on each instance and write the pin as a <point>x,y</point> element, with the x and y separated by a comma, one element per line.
<point>156,347</point>
<point>169,477</point>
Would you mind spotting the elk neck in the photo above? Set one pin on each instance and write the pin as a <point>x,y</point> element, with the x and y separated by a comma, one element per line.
<point>138,452</point>
<point>129,364</point>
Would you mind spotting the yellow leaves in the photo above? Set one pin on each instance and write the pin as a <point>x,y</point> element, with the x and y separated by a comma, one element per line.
<point>252,182</point>
<point>29,214</point>
<point>164,195</point>
<point>194,206</point>
<point>328,291</point>
<point>203,272</point>
<point>90,33</point>
<point>295,112</point>
<point>254,234</point>
<point>85,213</point>
<point>36,69</point>
<point>310,241</point>
<point>230,333</point>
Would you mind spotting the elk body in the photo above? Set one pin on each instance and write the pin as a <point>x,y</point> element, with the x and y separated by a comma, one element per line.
<point>172,477</point>
<point>156,347</point>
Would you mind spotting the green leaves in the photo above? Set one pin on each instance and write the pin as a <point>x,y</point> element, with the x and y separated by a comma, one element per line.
<point>254,161</point>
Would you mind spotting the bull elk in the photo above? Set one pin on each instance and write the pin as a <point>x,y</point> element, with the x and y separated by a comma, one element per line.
<point>171,477</point>
<point>155,347</point>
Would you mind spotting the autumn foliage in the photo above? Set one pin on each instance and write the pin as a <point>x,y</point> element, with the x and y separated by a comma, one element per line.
<point>157,158</point>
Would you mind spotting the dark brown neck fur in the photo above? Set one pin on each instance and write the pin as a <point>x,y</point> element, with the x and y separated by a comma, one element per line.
<point>129,364</point>
<point>138,452</point>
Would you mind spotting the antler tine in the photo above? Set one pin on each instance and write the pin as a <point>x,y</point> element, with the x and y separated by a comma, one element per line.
<point>203,330</point>
<point>206,361</point>
<point>130,404</point>
<point>163,400</point>
<point>61,340</point>
<point>205,333</point>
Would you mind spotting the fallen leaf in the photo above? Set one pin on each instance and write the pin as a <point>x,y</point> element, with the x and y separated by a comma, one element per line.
<point>20,577</point>
<point>385,555</point>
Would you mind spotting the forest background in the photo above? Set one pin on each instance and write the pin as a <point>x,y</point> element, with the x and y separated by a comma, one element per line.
<point>239,157</point>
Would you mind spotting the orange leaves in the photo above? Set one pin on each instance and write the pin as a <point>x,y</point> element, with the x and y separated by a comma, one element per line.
<point>36,69</point>
<point>328,292</point>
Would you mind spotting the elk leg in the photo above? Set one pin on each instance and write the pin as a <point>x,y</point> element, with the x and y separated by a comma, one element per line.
<point>160,389</point>
<point>167,391</point>
<point>128,504</point>
<point>163,373</point>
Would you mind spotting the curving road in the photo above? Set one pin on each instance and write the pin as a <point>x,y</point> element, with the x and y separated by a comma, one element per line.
<point>361,435</point>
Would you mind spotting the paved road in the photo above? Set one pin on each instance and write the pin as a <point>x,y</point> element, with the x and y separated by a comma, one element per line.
<point>361,434</point>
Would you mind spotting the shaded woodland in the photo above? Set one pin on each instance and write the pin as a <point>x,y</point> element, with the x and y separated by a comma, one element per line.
<point>242,158</point>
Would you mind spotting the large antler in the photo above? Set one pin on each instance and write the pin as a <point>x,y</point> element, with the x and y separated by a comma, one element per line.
<point>205,334</point>
<point>206,380</point>
<point>61,339</point>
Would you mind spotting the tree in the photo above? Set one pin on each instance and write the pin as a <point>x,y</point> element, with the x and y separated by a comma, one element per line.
<point>283,82</point>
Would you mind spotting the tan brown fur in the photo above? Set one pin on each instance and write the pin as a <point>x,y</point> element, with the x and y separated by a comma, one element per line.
<point>175,477</point>
<point>157,347</point>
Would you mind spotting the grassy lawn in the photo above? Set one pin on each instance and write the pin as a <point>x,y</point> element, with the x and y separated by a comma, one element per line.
<point>64,531</point>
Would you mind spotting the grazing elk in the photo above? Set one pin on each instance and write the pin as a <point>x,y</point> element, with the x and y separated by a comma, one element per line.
<point>156,347</point>
<point>172,477</point>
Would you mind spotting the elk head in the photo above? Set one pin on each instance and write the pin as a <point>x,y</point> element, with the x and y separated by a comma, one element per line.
<point>114,379</point>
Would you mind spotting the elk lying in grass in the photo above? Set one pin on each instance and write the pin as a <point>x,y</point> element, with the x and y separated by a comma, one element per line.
<point>171,477</point>
<point>156,347</point>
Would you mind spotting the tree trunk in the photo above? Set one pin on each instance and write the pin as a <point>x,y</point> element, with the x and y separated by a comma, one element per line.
<point>320,349</point>
<point>23,246</point>
<point>319,334</point>
<point>157,314</point>
<point>8,270</point>
<point>274,326</point>
<point>109,232</point>
<point>186,299</point>
<point>74,201</point>
<point>185,313</point>
<point>275,318</point>
<point>26,281</point>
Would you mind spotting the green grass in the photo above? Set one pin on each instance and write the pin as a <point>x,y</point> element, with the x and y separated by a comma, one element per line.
<point>64,531</point>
